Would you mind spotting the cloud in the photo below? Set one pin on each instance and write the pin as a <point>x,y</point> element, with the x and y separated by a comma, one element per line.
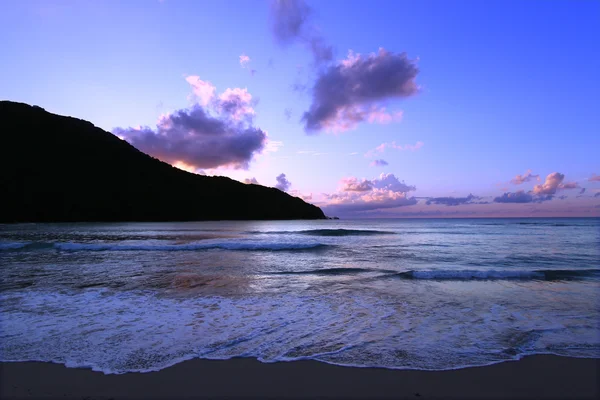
<point>353,184</point>
<point>379,163</point>
<point>236,103</point>
<point>290,22</point>
<point>392,145</point>
<point>521,196</point>
<point>597,194</point>
<point>526,177</point>
<point>244,60</point>
<point>554,182</point>
<point>517,197</point>
<point>251,180</point>
<point>569,185</point>
<point>282,183</point>
<point>287,113</point>
<point>351,92</point>
<point>209,134</point>
<point>358,195</point>
<point>551,184</point>
<point>297,193</point>
<point>203,91</point>
<point>540,193</point>
<point>594,178</point>
<point>582,191</point>
<point>391,183</point>
<point>453,201</point>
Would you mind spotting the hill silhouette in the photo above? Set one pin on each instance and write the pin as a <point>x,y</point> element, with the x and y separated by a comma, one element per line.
<point>61,169</point>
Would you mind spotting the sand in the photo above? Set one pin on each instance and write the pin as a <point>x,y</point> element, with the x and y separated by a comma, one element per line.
<point>539,377</point>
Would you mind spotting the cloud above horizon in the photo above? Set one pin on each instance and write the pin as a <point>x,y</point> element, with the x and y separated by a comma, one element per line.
<point>282,183</point>
<point>379,163</point>
<point>539,193</point>
<point>454,201</point>
<point>353,91</point>
<point>594,178</point>
<point>526,177</point>
<point>216,131</point>
<point>251,181</point>
<point>290,22</point>
<point>244,60</point>
<point>359,195</point>
<point>392,145</point>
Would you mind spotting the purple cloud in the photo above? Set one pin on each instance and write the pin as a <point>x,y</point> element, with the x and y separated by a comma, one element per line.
<point>521,196</point>
<point>216,132</point>
<point>379,163</point>
<point>526,177</point>
<point>287,113</point>
<point>282,183</point>
<point>290,22</point>
<point>594,178</point>
<point>351,92</point>
<point>452,201</point>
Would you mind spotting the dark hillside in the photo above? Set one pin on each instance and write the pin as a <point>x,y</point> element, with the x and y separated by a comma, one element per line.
<point>55,168</point>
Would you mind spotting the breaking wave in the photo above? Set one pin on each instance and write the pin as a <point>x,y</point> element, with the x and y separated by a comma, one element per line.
<point>548,275</point>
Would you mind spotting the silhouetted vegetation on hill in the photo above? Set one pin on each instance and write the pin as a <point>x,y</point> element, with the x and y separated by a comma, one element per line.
<point>56,168</point>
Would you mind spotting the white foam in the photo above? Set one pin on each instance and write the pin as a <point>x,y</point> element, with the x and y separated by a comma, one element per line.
<point>117,332</point>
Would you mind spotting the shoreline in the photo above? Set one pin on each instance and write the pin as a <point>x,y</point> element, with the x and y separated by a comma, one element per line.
<point>535,376</point>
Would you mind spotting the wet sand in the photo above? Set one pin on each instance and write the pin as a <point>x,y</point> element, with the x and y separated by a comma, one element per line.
<point>534,377</point>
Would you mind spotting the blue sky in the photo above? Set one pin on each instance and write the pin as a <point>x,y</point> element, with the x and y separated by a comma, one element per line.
<point>503,87</point>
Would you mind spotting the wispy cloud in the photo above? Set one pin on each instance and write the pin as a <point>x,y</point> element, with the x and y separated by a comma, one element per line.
<point>379,163</point>
<point>290,22</point>
<point>392,145</point>
<point>244,60</point>
<point>526,177</point>
<point>594,178</point>
<point>455,201</point>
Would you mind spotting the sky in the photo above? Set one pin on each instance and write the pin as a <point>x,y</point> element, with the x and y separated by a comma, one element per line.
<point>366,109</point>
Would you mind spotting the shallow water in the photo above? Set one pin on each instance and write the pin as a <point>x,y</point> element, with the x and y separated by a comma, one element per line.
<point>426,294</point>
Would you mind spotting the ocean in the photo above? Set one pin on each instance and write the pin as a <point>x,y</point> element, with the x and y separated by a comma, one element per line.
<point>428,294</point>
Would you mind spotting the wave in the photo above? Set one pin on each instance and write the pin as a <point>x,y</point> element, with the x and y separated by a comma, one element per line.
<point>12,245</point>
<point>331,271</point>
<point>251,246</point>
<point>329,232</point>
<point>547,275</point>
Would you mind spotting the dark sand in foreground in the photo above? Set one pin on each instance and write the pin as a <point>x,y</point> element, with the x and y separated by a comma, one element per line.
<point>539,377</point>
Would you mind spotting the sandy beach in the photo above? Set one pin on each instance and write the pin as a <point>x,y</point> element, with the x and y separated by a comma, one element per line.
<point>534,377</point>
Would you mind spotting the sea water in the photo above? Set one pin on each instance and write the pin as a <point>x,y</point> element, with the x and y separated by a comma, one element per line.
<point>393,293</point>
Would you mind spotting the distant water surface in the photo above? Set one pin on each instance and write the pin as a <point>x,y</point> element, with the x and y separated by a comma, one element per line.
<point>424,294</point>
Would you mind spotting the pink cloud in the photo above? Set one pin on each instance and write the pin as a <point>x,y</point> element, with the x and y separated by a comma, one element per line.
<point>203,91</point>
<point>551,184</point>
<point>357,195</point>
<point>381,148</point>
<point>526,177</point>
<point>236,102</point>
<point>348,118</point>
<point>244,60</point>
<point>594,178</point>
